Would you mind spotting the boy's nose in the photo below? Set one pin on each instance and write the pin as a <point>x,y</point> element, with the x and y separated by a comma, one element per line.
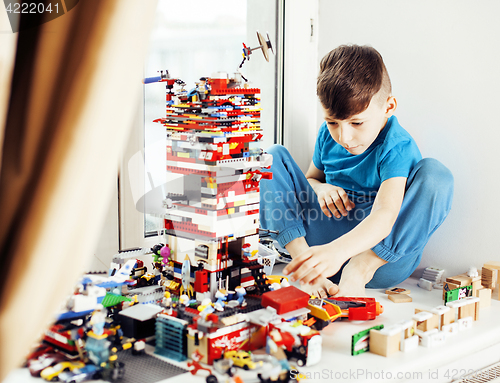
<point>345,135</point>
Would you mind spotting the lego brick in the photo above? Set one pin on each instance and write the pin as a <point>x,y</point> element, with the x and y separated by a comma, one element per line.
<point>432,338</point>
<point>139,321</point>
<point>493,265</point>
<point>433,274</point>
<point>466,311</point>
<point>458,293</point>
<point>489,277</point>
<point>448,286</point>
<point>399,298</point>
<point>409,344</point>
<point>424,284</point>
<point>465,323</point>
<point>450,329</point>
<point>285,299</point>
<point>360,342</point>
<point>426,320</point>
<point>397,290</point>
<point>382,344</point>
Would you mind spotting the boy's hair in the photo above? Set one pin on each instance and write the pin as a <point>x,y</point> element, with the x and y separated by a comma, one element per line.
<point>349,77</point>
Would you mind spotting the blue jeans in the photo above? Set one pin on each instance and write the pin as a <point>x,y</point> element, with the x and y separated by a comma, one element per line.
<point>289,205</point>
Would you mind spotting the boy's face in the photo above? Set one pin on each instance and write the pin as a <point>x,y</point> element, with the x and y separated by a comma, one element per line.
<point>358,132</point>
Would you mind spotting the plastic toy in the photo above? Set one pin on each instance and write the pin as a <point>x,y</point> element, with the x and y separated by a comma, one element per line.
<point>242,359</point>
<point>195,359</point>
<point>51,373</point>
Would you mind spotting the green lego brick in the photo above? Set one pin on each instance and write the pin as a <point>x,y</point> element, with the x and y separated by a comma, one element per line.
<point>360,341</point>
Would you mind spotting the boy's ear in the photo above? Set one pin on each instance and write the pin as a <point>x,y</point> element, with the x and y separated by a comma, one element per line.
<point>391,106</point>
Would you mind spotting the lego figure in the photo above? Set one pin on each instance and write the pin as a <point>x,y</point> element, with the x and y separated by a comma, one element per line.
<point>221,296</point>
<point>358,199</point>
<point>165,255</point>
<point>167,300</point>
<point>196,356</point>
<point>241,292</point>
<point>98,320</point>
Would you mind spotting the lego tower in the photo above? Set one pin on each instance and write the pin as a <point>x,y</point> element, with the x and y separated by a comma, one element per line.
<point>214,160</point>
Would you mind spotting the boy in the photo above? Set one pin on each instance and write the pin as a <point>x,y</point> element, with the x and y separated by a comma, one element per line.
<point>368,204</point>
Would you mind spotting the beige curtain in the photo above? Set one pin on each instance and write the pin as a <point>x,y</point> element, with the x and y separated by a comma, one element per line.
<point>76,83</point>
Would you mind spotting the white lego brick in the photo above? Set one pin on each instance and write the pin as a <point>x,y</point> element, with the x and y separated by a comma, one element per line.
<point>465,323</point>
<point>409,344</point>
<point>440,310</point>
<point>391,330</point>
<point>450,329</point>
<point>433,274</point>
<point>425,284</point>
<point>422,316</point>
<point>405,324</point>
<point>426,337</point>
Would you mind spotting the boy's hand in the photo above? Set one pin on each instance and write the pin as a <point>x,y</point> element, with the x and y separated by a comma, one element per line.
<point>333,199</point>
<point>317,262</point>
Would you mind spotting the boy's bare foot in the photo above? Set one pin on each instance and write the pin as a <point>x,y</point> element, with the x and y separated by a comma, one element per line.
<point>350,288</point>
<point>323,289</point>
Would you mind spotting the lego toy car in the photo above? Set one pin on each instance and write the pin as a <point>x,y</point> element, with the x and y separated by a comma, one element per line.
<point>242,359</point>
<point>52,373</point>
<point>36,366</point>
<point>88,372</point>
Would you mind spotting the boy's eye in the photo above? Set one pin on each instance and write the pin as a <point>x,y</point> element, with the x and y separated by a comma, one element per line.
<point>331,123</point>
<point>357,123</point>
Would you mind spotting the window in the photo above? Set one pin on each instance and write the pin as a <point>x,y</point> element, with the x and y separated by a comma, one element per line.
<point>191,39</point>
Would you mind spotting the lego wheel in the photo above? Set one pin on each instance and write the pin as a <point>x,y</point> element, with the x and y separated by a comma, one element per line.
<point>211,379</point>
<point>300,362</point>
<point>263,43</point>
<point>245,367</point>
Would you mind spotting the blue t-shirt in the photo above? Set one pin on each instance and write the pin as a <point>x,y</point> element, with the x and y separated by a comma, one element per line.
<point>394,153</point>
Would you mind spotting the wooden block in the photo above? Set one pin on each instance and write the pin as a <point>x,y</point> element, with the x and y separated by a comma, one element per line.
<point>467,311</point>
<point>429,324</point>
<point>397,290</point>
<point>493,265</point>
<point>484,296</point>
<point>489,277</point>
<point>476,310</point>
<point>460,280</point>
<point>476,285</point>
<point>399,298</point>
<point>384,345</point>
<point>448,317</point>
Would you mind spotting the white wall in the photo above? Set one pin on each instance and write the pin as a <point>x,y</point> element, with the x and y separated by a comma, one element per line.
<point>444,61</point>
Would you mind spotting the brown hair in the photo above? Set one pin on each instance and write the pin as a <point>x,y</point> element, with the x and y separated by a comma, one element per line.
<point>349,77</point>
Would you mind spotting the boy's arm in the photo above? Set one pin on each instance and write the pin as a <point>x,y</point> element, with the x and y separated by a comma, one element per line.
<point>326,260</point>
<point>331,198</point>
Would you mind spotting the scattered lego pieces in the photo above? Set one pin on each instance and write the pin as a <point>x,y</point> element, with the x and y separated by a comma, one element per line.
<point>399,298</point>
<point>397,290</point>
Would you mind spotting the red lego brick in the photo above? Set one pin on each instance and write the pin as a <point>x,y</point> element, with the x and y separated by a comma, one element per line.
<point>285,300</point>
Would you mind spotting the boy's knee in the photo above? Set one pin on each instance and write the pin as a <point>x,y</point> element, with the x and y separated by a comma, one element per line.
<point>278,151</point>
<point>434,177</point>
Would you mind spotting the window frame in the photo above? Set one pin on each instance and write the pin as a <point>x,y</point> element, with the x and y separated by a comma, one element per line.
<point>131,220</point>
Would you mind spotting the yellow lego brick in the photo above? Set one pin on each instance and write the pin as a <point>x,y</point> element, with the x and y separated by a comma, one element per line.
<point>239,203</point>
<point>183,155</point>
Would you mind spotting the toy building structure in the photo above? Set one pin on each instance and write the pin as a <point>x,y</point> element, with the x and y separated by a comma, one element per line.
<point>215,161</point>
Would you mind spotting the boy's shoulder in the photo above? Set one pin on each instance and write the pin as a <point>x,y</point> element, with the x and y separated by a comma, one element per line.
<point>394,134</point>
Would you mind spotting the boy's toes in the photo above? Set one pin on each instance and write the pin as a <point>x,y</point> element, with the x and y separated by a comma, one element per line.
<point>333,289</point>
